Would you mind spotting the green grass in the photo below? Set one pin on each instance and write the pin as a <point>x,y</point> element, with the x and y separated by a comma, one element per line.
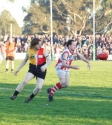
<point>87,100</point>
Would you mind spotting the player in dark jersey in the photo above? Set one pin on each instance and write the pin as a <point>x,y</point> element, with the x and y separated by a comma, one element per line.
<point>39,61</point>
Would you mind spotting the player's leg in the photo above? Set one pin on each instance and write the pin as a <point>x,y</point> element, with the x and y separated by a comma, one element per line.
<point>27,78</point>
<point>12,65</point>
<point>39,85</point>
<point>67,79</point>
<point>37,89</point>
<point>62,84</point>
<point>7,64</point>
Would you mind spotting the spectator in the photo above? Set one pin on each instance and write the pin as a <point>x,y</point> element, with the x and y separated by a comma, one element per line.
<point>10,53</point>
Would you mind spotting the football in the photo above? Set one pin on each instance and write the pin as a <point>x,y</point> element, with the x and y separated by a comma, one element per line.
<point>102,56</point>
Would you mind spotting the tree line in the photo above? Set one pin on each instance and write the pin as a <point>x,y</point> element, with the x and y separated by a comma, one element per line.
<point>69,17</point>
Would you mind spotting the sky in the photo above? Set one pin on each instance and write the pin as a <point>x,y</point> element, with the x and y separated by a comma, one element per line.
<point>15,9</point>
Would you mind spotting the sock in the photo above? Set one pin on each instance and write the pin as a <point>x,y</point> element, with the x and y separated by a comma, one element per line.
<point>11,70</point>
<point>16,93</point>
<point>55,88</point>
<point>32,96</point>
<point>6,70</point>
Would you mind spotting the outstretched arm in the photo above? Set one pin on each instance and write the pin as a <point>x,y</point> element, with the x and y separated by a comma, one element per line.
<point>21,64</point>
<point>84,59</point>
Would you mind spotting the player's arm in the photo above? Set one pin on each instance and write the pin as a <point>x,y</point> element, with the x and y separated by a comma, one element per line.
<point>48,61</point>
<point>21,64</point>
<point>64,61</point>
<point>84,59</point>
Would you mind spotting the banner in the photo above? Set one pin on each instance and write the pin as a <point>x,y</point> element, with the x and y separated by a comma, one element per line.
<point>109,57</point>
<point>20,55</point>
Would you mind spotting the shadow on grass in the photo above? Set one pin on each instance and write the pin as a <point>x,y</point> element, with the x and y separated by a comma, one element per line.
<point>70,103</point>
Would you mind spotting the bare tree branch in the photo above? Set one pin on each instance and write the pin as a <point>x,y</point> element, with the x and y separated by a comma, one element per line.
<point>59,12</point>
<point>105,29</point>
<point>84,24</point>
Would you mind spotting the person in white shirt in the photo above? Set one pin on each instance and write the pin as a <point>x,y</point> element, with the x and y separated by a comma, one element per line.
<point>2,51</point>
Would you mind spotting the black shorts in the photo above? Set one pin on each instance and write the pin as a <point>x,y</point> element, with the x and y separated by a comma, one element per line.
<point>11,58</point>
<point>36,71</point>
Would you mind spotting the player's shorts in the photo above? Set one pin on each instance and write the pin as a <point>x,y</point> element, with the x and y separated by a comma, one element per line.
<point>11,58</point>
<point>62,73</point>
<point>36,71</point>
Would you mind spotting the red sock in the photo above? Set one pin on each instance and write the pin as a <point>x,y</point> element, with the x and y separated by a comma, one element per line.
<point>56,87</point>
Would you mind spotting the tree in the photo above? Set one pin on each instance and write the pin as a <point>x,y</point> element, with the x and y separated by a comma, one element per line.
<point>38,15</point>
<point>37,18</point>
<point>104,21</point>
<point>69,16</point>
<point>5,21</point>
<point>103,16</point>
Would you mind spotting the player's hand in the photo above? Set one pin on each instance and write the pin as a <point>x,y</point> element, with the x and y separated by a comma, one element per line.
<point>88,65</point>
<point>15,72</point>
<point>75,67</point>
<point>43,68</point>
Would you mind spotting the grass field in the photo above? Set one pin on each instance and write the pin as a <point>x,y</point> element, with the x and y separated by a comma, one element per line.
<point>87,100</point>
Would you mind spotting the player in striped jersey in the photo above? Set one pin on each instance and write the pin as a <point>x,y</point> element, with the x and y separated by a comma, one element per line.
<point>63,65</point>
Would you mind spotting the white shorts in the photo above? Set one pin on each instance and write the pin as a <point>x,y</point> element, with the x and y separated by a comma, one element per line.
<point>62,73</point>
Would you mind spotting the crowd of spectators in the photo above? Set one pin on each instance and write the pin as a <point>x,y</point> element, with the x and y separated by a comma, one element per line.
<point>103,43</point>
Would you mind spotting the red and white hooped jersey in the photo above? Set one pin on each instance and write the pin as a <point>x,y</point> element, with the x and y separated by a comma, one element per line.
<point>68,61</point>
